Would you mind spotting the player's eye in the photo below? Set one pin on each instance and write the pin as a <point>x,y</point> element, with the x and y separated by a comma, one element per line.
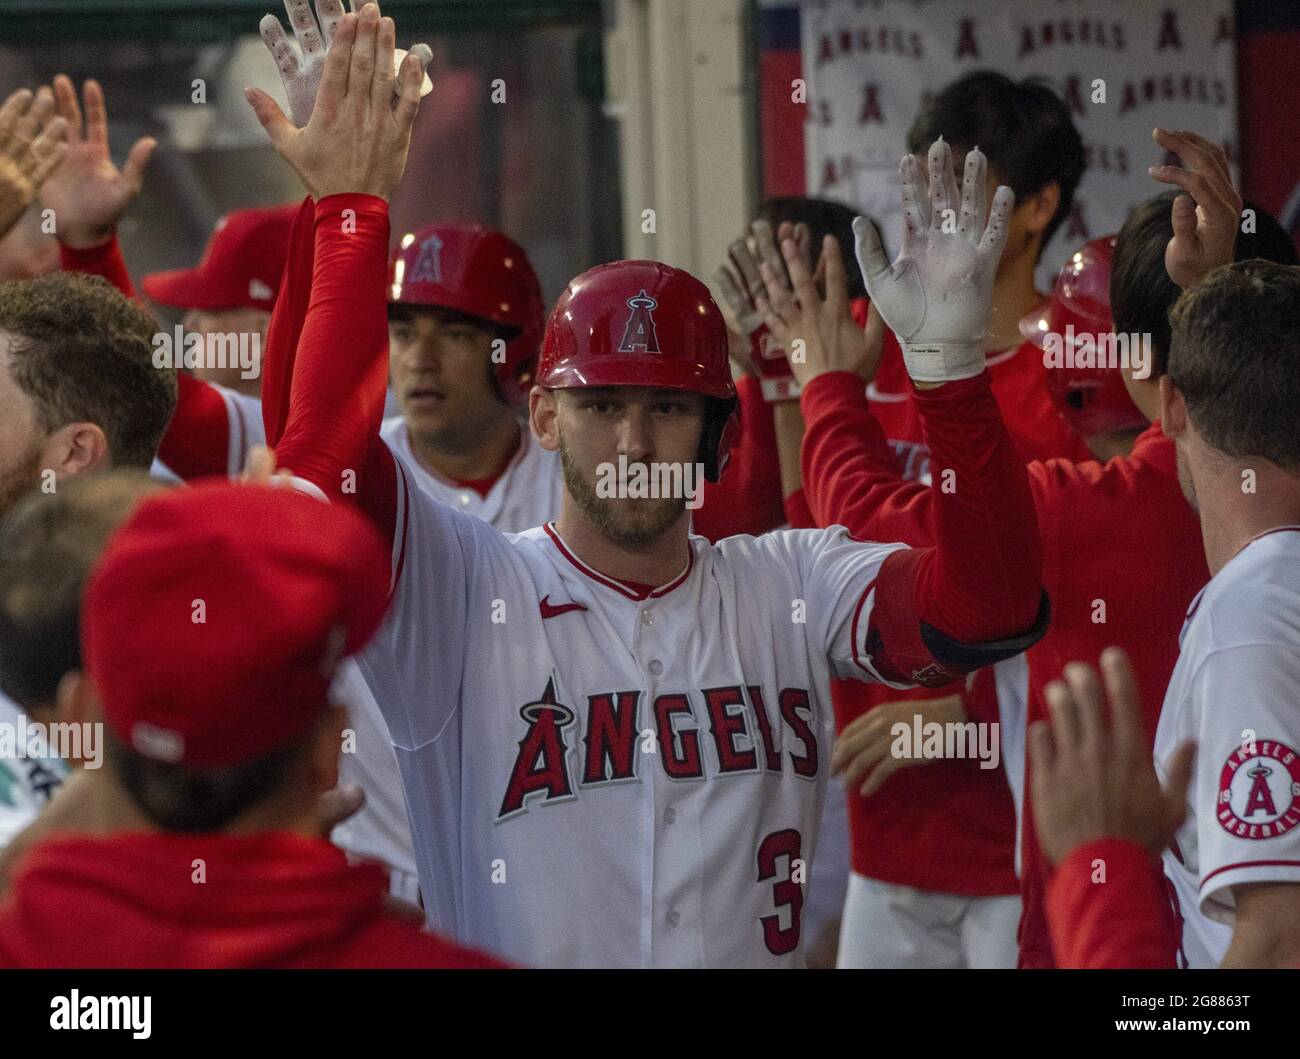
<point>671,408</point>
<point>600,406</point>
<point>402,333</point>
<point>461,333</point>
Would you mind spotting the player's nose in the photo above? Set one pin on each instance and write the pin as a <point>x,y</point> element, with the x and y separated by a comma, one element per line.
<point>636,433</point>
<point>427,351</point>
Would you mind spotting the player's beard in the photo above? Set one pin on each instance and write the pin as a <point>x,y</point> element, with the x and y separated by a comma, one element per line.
<point>627,523</point>
<point>20,478</point>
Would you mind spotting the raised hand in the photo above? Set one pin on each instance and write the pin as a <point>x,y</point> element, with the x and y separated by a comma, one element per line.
<point>301,68</point>
<point>938,293</point>
<point>737,283</point>
<point>1095,780</point>
<point>1206,219</point>
<point>88,193</point>
<point>32,144</point>
<point>817,332</point>
<point>357,138</point>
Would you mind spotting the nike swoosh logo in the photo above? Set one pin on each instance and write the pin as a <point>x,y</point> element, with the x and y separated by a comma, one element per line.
<point>554,610</point>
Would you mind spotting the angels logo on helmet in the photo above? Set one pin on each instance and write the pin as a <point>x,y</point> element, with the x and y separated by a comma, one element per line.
<point>639,332</point>
<point>428,265</point>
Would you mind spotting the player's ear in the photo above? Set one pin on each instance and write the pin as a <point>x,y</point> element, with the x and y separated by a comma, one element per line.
<point>1038,209</point>
<point>76,448</point>
<point>1173,409</point>
<point>543,417</point>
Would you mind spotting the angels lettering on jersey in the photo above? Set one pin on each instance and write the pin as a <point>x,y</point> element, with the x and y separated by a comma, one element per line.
<point>610,739</point>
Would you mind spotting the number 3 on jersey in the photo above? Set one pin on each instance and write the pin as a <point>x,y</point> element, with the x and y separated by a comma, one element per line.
<point>786,892</point>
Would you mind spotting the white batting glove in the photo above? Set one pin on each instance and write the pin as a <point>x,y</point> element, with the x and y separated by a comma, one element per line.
<point>938,294</point>
<point>301,74</point>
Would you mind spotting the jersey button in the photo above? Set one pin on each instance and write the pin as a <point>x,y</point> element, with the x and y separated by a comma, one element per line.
<point>464,499</point>
<point>670,815</point>
<point>656,666</point>
<point>674,917</point>
<point>647,618</point>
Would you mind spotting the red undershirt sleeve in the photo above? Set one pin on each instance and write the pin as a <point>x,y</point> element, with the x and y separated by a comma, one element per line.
<point>850,475</point>
<point>326,364</point>
<point>1121,919</point>
<point>104,261</point>
<point>974,597</point>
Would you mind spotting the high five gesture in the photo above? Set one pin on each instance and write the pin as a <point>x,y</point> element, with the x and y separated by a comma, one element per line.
<point>357,137</point>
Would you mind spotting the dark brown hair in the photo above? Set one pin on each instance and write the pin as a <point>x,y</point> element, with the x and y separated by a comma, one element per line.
<point>1023,128</point>
<point>84,353</point>
<point>1235,356</point>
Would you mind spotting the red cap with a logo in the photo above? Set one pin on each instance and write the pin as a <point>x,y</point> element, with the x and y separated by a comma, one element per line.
<point>241,266</point>
<point>214,621</point>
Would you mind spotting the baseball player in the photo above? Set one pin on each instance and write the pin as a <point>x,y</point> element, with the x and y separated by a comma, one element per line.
<point>1230,402</point>
<point>933,855</point>
<point>79,396</point>
<point>547,691</point>
<point>465,322</point>
<point>231,292</point>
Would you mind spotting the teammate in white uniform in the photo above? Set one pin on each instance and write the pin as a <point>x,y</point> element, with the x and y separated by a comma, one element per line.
<point>465,322</point>
<point>611,734</point>
<point>1236,692</point>
<point>1235,864</point>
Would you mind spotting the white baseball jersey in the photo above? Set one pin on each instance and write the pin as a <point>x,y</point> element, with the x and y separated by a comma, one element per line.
<point>1236,691</point>
<point>602,775</point>
<point>527,494</point>
<point>26,783</point>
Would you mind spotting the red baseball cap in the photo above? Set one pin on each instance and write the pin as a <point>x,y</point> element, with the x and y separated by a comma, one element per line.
<point>214,621</point>
<point>241,265</point>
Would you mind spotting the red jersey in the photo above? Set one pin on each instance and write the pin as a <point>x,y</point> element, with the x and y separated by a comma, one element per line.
<point>949,826</point>
<point>1122,561</point>
<point>1121,533</point>
<point>273,899</point>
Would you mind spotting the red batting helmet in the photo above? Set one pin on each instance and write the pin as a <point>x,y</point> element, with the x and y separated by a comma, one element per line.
<point>642,323</point>
<point>481,273</point>
<point>1093,400</point>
